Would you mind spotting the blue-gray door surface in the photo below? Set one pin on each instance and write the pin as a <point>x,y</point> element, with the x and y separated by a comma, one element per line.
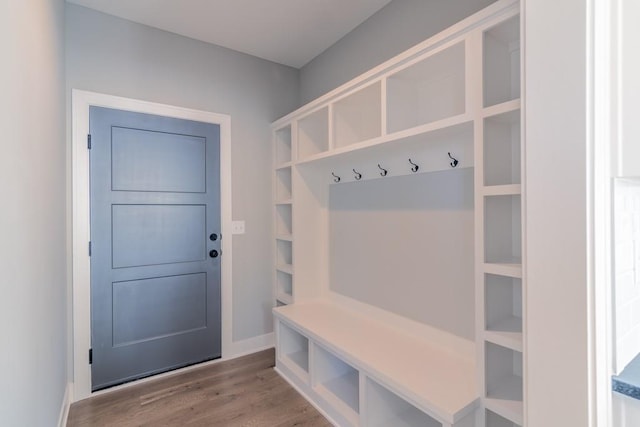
<point>155,244</point>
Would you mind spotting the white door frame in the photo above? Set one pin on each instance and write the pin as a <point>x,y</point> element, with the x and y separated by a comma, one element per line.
<point>81,101</point>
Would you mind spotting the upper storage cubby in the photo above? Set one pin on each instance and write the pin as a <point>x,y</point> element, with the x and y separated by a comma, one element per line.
<point>283,145</point>
<point>358,116</point>
<point>428,90</point>
<point>313,133</point>
<point>501,62</point>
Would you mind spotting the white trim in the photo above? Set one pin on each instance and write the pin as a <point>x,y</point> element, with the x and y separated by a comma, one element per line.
<point>64,408</point>
<point>602,131</point>
<point>81,101</point>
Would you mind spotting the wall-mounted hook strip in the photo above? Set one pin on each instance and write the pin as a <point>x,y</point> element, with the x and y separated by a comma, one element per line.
<point>336,178</point>
<point>384,171</point>
<point>414,167</point>
<point>454,162</point>
<point>358,175</point>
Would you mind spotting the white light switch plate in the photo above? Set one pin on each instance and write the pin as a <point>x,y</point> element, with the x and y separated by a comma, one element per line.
<point>237,227</point>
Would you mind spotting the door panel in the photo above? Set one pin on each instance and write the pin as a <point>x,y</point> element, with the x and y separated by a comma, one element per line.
<point>172,162</point>
<point>152,308</point>
<point>137,242</point>
<point>155,198</point>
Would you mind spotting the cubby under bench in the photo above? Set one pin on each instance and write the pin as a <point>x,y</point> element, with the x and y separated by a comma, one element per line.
<point>360,371</point>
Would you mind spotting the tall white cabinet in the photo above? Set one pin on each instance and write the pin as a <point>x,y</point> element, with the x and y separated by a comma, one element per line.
<point>440,122</point>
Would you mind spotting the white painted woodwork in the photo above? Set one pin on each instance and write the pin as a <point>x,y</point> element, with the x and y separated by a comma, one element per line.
<point>372,363</point>
<point>346,342</point>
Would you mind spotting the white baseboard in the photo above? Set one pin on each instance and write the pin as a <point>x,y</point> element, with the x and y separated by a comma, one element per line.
<point>66,404</point>
<point>251,345</point>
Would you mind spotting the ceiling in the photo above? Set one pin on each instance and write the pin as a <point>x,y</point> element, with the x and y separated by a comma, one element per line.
<point>290,32</point>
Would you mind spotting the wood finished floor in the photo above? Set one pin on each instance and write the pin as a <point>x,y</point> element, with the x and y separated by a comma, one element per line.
<point>244,392</point>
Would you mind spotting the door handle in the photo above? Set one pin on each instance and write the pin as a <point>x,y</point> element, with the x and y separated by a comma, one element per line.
<point>213,237</point>
<point>213,253</point>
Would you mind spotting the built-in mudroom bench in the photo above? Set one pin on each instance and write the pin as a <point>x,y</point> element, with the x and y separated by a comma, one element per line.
<point>398,269</point>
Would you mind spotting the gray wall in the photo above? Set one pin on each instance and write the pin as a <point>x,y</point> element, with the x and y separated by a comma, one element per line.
<point>33,359</point>
<point>395,28</point>
<point>118,57</point>
<point>405,244</point>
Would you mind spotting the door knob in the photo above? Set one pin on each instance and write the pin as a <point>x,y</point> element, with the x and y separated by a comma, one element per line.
<point>213,253</point>
<point>213,237</point>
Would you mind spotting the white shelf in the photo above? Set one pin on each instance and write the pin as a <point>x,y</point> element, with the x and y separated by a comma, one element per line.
<point>501,52</point>
<point>508,339</point>
<point>502,190</point>
<point>513,269</point>
<point>284,202</point>
<point>494,420</point>
<point>313,133</point>
<point>283,298</point>
<point>510,409</point>
<point>505,107</point>
<point>285,237</point>
<point>285,268</point>
<point>441,130</point>
<point>293,350</point>
<point>285,165</point>
<point>358,117</point>
<point>284,285</point>
<point>428,90</point>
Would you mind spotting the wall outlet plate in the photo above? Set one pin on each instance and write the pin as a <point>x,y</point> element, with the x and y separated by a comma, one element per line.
<point>237,227</point>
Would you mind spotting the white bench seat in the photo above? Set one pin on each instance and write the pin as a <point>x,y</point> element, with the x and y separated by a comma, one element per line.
<point>434,379</point>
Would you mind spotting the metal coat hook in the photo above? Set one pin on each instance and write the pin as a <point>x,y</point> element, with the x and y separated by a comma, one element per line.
<point>414,167</point>
<point>384,171</point>
<point>336,178</point>
<point>358,175</point>
<point>454,163</point>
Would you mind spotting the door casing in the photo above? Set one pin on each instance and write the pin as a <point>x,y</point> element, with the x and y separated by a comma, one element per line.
<point>81,101</point>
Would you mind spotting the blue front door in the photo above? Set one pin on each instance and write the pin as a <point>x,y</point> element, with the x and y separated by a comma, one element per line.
<point>155,244</point>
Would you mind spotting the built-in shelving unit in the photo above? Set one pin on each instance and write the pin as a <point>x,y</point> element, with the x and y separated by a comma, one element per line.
<point>283,215</point>
<point>499,261</point>
<point>450,103</point>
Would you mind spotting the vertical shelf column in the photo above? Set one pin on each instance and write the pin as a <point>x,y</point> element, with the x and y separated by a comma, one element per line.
<point>283,215</point>
<point>499,263</point>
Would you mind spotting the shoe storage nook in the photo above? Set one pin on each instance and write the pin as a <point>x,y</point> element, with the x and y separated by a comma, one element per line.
<point>398,236</point>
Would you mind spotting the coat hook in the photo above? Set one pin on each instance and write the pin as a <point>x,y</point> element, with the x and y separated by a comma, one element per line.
<point>384,171</point>
<point>454,163</point>
<point>336,178</point>
<point>358,175</point>
<point>415,167</point>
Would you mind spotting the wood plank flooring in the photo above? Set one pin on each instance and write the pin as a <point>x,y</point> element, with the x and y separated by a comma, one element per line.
<point>244,392</point>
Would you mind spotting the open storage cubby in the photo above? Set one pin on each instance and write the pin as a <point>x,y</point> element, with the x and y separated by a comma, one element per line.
<point>503,312</point>
<point>284,287</point>
<point>283,145</point>
<point>503,229</point>
<point>294,350</point>
<point>283,220</point>
<point>337,382</point>
<point>428,90</point>
<point>284,253</point>
<point>494,420</point>
<point>313,133</point>
<point>384,408</point>
<point>503,381</point>
<point>501,59</point>
<point>283,184</point>
<point>502,149</point>
<point>358,117</point>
